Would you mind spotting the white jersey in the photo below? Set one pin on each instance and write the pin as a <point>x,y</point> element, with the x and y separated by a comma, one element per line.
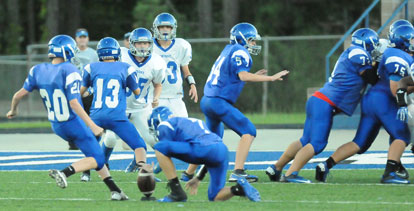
<point>152,70</point>
<point>178,54</point>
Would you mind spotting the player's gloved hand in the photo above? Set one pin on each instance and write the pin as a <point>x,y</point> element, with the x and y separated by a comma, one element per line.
<point>192,185</point>
<point>401,97</point>
<point>403,114</point>
<point>11,114</point>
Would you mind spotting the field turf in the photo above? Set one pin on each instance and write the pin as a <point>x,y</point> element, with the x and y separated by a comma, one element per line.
<point>346,190</point>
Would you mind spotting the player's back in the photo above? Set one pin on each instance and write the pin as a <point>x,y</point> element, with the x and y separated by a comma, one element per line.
<point>345,86</point>
<point>223,81</point>
<point>57,85</point>
<point>190,130</point>
<point>109,82</point>
<point>394,65</point>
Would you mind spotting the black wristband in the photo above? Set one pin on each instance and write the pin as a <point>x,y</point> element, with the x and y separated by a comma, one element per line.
<point>401,97</point>
<point>190,80</point>
<point>202,173</point>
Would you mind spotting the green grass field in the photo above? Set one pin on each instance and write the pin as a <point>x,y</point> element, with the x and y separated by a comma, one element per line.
<point>271,118</point>
<point>347,190</point>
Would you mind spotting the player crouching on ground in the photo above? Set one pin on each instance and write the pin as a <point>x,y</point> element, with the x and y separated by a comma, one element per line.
<point>189,140</point>
<point>58,83</point>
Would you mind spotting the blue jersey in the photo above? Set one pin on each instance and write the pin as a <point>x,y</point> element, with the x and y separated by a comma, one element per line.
<point>345,86</point>
<point>224,81</point>
<point>57,84</point>
<point>186,130</point>
<point>109,81</point>
<point>394,65</point>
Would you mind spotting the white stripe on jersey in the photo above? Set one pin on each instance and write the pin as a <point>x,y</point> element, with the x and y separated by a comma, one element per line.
<point>357,51</point>
<point>31,71</point>
<point>72,77</point>
<point>165,123</point>
<point>242,54</point>
<point>399,60</point>
<point>87,68</point>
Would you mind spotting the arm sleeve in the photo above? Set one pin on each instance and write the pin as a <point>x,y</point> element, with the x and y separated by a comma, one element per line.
<point>187,54</point>
<point>30,82</point>
<point>132,79</point>
<point>86,80</point>
<point>73,81</point>
<point>240,61</point>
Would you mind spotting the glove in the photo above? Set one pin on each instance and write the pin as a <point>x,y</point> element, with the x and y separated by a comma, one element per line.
<point>403,114</point>
<point>402,97</point>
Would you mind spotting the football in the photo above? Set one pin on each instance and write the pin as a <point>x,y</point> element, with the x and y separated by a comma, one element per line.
<point>146,181</point>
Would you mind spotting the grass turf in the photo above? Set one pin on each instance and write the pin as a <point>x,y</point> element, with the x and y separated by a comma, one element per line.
<point>347,190</point>
<point>270,118</point>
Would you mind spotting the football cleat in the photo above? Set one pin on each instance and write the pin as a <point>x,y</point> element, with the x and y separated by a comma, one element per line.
<point>118,196</point>
<point>60,178</point>
<point>85,177</point>
<point>322,172</point>
<point>402,172</point>
<point>169,199</point>
<point>157,168</point>
<point>274,175</point>
<point>250,178</point>
<point>251,193</point>
<point>186,177</point>
<point>393,178</point>
<point>132,167</point>
<point>294,178</point>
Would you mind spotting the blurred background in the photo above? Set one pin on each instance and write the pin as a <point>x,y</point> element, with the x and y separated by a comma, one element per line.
<point>297,35</point>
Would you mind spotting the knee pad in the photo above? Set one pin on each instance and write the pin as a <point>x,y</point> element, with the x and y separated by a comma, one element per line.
<point>110,139</point>
<point>318,147</point>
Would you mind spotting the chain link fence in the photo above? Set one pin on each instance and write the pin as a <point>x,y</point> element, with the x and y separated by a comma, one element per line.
<point>303,56</point>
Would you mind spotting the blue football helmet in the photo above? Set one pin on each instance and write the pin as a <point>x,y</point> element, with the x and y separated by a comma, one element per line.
<point>158,115</point>
<point>396,24</point>
<point>108,48</point>
<point>140,35</point>
<point>164,19</point>
<point>403,38</point>
<point>62,46</point>
<point>242,33</point>
<point>366,38</point>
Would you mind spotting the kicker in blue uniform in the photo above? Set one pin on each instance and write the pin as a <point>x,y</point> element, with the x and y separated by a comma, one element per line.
<point>109,79</point>
<point>224,85</point>
<point>190,140</point>
<point>58,83</point>
<point>341,93</point>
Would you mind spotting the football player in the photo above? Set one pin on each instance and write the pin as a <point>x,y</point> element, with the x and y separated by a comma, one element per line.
<point>109,80</point>
<point>189,140</point>
<point>373,117</point>
<point>151,71</point>
<point>341,93</point>
<point>58,83</point>
<point>224,85</point>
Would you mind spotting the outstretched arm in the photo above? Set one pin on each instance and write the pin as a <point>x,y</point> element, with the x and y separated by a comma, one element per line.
<point>15,102</point>
<point>261,77</point>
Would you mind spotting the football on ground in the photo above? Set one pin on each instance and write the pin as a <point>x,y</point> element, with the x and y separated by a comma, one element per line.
<point>146,181</point>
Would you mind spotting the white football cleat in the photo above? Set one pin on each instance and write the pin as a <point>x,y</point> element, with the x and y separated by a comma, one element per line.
<point>85,177</point>
<point>60,178</point>
<point>116,196</point>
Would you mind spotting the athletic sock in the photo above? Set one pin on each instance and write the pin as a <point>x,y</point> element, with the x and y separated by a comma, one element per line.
<point>391,166</point>
<point>237,190</point>
<point>239,171</point>
<point>330,162</point>
<point>69,171</point>
<point>111,184</point>
<point>88,172</point>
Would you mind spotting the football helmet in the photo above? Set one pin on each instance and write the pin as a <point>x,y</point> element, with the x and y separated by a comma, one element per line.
<point>403,38</point>
<point>164,19</point>
<point>140,35</point>
<point>108,48</point>
<point>366,38</point>
<point>242,33</point>
<point>62,46</point>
